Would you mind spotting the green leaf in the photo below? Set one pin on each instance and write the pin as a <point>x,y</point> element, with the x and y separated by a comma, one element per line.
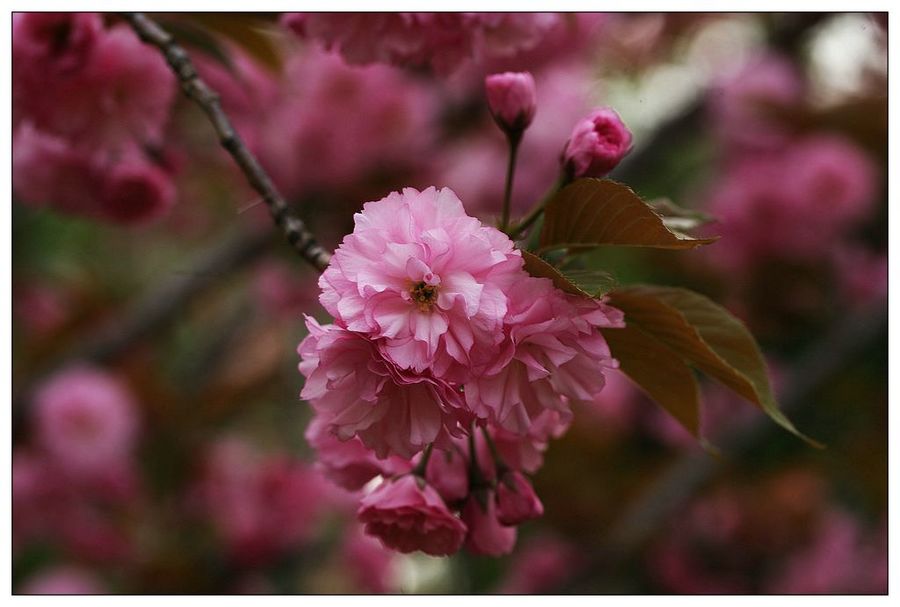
<point>594,212</point>
<point>659,371</point>
<point>707,337</point>
<point>254,33</point>
<point>584,283</point>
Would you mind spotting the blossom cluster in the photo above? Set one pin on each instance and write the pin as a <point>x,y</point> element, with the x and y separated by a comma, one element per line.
<point>90,103</point>
<point>442,41</point>
<point>445,373</point>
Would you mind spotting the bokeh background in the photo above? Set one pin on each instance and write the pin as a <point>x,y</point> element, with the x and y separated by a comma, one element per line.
<point>157,433</point>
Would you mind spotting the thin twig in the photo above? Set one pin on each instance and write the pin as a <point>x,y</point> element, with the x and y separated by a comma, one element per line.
<point>300,238</point>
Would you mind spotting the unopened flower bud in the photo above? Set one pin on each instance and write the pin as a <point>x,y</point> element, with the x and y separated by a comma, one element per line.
<point>597,144</point>
<point>516,500</point>
<point>511,98</point>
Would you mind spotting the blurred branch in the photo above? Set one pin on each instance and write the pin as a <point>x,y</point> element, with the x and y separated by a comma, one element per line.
<point>662,499</point>
<point>295,230</point>
<point>786,36</point>
<point>154,309</point>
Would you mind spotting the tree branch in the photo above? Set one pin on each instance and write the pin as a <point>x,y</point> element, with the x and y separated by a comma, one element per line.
<point>295,230</point>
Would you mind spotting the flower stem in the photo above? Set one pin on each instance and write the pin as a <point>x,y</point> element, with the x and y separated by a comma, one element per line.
<point>498,461</point>
<point>535,213</point>
<point>513,138</point>
<point>419,470</point>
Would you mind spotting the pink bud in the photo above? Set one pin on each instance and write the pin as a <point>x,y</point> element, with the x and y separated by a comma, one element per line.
<point>448,473</point>
<point>511,97</point>
<point>597,144</point>
<point>136,192</point>
<point>516,500</point>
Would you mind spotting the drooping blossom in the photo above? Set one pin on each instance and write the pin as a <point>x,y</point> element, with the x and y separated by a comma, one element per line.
<point>86,419</point>
<point>597,144</point>
<point>516,500</point>
<point>511,99</point>
<point>486,535</point>
<point>358,391</point>
<point>442,41</point>
<point>553,353</point>
<point>349,463</point>
<point>448,472</point>
<point>437,291</point>
<point>408,517</point>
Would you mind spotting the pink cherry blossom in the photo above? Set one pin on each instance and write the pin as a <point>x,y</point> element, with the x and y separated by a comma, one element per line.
<point>408,517</point>
<point>436,292</point>
<point>486,535</point>
<point>552,353</point>
<point>442,41</point>
<point>86,419</point>
<point>597,144</point>
<point>370,565</point>
<point>541,566</point>
<point>349,463</point>
<point>358,391</point>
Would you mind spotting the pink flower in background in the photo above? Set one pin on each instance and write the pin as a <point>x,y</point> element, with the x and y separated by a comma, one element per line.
<point>357,391</point>
<point>408,517</point>
<point>372,567</point>
<point>46,169</point>
<point>597,144</point>
<point>86,419</point>
<point>349,463</point>
<point>105,88</point>
<point>436,291</point>
<point>136,191</point>
<point>552,353</point>
<point>315,120</point>
<point>841,559</point>
<point>744,104</point>
<point>543,565</point>
<point>863,274</point>
<point>442,41</point>
<point>63,580</point>
<point>511,98</point>
<point>261,505</point>
<point>516,500</point>
<point>486,535</point>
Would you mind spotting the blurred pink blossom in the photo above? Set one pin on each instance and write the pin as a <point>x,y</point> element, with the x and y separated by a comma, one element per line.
<point>408,517</point>
<point>63,580</point>
<point>442,41</point>
<point>372,567</point>
<point>542,565</point>
<point>743,104</point>
<point>86,419</point>
<point>261,505</point>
